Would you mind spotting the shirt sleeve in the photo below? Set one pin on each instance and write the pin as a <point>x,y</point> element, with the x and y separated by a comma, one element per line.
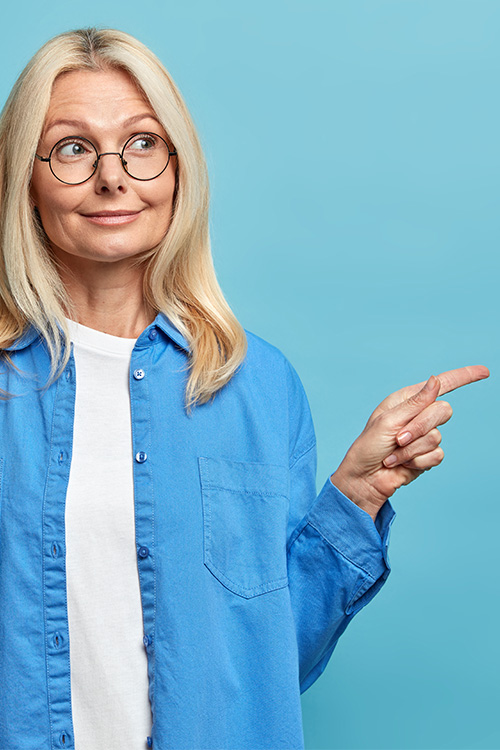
<point>337,555</point>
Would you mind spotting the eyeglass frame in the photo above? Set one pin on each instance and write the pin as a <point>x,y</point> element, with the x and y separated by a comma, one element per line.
<point>107,153</point>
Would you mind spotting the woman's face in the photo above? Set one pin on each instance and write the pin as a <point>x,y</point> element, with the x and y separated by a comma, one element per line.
<point>112,216</point>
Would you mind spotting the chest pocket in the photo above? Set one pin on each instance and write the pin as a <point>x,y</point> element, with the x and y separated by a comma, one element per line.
<point>245,511</point>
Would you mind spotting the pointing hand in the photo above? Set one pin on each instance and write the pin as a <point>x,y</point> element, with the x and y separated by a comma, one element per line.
<point>400,440</point>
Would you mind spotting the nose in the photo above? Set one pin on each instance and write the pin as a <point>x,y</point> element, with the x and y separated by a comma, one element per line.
<point>110,175</point>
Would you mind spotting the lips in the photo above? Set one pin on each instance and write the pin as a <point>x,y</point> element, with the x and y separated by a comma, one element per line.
<point>112,218</point>
<point>120,212</point>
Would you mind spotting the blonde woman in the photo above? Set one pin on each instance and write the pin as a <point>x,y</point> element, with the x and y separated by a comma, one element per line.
<point>168,577</point>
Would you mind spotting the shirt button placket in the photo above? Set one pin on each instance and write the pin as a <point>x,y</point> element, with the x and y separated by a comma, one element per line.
<point>54,564</point>
<point>140,397</point>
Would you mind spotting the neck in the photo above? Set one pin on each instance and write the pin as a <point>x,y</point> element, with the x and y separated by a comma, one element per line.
<point>107,297</point>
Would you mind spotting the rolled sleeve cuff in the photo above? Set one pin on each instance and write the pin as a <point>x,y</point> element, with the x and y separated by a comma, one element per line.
<point>354,534</point>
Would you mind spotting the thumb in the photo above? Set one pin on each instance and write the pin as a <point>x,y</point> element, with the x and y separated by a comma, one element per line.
<point>404,412</point>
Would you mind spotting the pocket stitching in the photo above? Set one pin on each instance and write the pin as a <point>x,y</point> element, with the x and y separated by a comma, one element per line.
<point>263,588</point>
<point>206,485</point>
<point>210,486</point>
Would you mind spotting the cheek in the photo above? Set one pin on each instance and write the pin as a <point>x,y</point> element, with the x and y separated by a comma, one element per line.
<point>43,196</point>
<point>160,199</point>
<point>53,214</point>
<point>53,201</point>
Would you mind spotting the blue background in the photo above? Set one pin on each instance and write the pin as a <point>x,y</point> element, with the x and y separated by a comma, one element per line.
<point>353,149</point>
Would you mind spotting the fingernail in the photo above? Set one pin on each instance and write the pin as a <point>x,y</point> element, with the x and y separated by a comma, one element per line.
<point>404,438</point>
<point>390,460</point>
<point>430,383</point>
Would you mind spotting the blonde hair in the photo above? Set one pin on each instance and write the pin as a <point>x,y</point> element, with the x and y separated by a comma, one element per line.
<point>179,277</point>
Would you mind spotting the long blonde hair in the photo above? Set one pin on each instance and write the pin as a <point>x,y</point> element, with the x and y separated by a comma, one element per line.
<point>179,277</point>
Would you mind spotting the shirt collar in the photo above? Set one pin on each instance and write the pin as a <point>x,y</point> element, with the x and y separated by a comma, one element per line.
<point>25,339</point>
<point>161,320</point>
<point>167,327</point>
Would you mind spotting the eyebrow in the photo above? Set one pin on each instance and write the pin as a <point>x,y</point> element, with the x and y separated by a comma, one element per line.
<point>84,126</point>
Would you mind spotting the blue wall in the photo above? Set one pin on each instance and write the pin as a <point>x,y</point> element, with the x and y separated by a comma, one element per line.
<point>353,148</point>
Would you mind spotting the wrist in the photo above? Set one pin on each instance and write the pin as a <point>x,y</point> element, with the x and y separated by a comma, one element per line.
<point>357,492</point>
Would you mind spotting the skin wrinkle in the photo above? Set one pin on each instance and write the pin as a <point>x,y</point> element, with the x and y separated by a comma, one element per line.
<point>98,262</point>
<point>83,125</point>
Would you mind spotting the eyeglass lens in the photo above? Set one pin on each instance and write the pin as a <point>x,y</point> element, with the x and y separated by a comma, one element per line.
<point>74,159</point>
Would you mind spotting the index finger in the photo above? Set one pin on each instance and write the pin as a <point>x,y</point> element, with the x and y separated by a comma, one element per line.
<point>453,379</point>
<point>449,381</point>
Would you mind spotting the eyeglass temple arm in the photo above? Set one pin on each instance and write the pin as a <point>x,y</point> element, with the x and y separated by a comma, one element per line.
<point>42,158</point>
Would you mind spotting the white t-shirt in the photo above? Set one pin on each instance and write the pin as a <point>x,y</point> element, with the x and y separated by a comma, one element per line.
<point>109,681</point>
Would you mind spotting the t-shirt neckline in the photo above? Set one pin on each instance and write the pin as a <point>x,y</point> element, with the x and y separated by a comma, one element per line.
<point>90,338</point>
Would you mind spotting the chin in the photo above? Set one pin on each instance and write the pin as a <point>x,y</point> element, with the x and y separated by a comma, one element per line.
<point>111,255</point>
<point>107,254</point>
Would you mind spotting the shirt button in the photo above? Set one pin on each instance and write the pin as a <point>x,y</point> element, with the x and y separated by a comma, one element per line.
<point>141,457</point>
<point>153,334</point>
<point>143,552</point>
<point>139,374</point>
<point>147,640</point>
<point>149,741</point>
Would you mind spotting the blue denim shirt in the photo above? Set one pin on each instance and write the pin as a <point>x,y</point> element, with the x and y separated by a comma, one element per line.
<point>247,577</point>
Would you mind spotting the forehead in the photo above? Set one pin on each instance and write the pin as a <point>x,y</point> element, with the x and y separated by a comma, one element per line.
<point>101,98</point>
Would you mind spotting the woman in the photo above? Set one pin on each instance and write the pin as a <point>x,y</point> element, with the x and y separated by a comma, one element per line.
<point>168,576</point>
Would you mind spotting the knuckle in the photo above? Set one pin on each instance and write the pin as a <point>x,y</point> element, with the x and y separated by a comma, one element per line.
<point>439,455</point>
<point>417,429</point>
<point>405,454</point>
<point>435,437</point>
<point>383,420</point>
<point>447,409</point>
<point>416,399</point>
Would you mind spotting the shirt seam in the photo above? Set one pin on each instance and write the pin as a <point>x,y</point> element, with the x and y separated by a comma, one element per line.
<point>305,452</point>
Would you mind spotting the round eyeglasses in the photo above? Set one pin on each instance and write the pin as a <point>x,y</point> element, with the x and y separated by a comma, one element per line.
<point>74,160</point>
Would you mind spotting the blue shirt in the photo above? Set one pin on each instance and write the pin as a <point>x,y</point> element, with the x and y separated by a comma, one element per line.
<point>247,577</point>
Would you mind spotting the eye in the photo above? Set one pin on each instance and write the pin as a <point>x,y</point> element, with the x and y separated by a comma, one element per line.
<point>145,142</point>
<point>72,148</point>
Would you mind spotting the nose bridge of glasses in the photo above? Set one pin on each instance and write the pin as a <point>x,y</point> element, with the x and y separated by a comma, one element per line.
<point>109,153</point>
